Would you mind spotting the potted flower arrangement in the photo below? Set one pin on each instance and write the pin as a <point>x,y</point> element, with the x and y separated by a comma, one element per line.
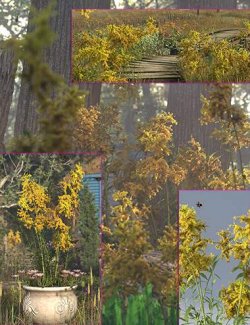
<point>48,224</point>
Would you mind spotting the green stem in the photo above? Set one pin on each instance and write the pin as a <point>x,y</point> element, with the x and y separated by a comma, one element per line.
<point>233,169</point>
<point>202,300</point>
<point>240,156</point>
<point>240,298</point>
<point>57,262</point>
<point>40,252</point>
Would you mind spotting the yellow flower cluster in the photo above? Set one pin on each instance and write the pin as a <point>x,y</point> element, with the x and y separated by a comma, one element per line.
<point>13,238</point>
<point>151,27</point>
<point>100,56</point>
<point>197,170</point>
<point>68,202</point>
<point>168,243</point>
<point>124,35</point>
<point>124,262</point>
<point>236,299</point>
<point>203,58</point>
<point>156,136</point>
<point>33,199</point>
<point>236,244</point>
<point>36,211</point>
<point>192,250</point>
<point>86,127</point>
<point>86,13</point>
<point>153,171</point>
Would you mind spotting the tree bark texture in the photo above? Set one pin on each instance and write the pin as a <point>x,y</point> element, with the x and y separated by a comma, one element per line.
<point>58,56</point>
<point>206,4</point>
<point>7,81</point>
<point>184,102</point>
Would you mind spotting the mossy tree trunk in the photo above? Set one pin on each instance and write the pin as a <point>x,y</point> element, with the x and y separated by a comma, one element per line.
<point>58,57</point>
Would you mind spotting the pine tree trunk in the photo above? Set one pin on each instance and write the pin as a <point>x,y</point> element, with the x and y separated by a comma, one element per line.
<point>57,56</point>
<point>184,102</point>
<point>93,93</point>
<point>7,80</point>
<point>206,4</point>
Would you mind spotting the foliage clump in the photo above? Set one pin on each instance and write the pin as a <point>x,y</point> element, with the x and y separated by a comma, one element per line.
<point>206,59</point>
<point>96,129</point>
<point>234,243</point>
<point>233,131</point>
<point>125,267</point>
<point>192,251</point>
<point>102,55</point>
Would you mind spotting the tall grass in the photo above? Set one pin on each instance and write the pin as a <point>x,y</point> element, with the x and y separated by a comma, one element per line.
<point>140,309</point>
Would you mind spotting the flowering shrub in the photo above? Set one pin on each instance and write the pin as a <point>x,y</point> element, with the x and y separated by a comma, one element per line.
<point>101,55</point>
<point>203,58</point>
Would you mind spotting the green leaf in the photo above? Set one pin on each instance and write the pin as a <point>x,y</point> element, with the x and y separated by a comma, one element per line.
<point>203,276</point>
<point>240,276</point>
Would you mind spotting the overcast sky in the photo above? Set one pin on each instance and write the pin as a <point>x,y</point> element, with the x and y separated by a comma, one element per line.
<point>218,209</point>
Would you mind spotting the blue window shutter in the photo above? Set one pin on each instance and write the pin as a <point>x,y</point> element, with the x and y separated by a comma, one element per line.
<point>93,182</point>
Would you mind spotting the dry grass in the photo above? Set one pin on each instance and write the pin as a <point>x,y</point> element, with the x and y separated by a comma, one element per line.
<point>185,20</point>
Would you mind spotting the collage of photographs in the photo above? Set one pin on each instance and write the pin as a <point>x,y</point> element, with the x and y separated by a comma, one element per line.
<point>124,162</point>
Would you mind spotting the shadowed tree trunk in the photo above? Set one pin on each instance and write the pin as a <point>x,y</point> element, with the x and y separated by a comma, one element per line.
<point>206,4</point>
<point>93,93</point>
<point>7,80</point>
<point>58,57</point>
<point>185,103</point>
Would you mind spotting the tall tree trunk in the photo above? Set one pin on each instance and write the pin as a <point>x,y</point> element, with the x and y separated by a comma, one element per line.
<point>149,103</point>
<point>57,56</point>
<point>7,80</point>
<point>184,102</point>
<point>206,4</point>
<point>93,93</point>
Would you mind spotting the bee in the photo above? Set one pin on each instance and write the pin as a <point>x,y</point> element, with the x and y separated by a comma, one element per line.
<point>198,204</point>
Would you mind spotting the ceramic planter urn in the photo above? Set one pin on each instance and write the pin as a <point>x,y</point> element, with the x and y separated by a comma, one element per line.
<point>49,306</point>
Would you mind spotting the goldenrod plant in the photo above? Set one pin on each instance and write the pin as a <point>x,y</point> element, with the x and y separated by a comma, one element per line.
<point>101,55</point>
<point>198,270</point>
<point>48,222</point>
<point>203,58</point>
<point>234,127</point>
<point>234,243</point>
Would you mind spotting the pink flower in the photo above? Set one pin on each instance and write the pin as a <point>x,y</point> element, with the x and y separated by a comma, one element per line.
<point>38,275</point>
<point>21,271</point>
<point>64,275</point>
<point>65,271</point>
<point>76,275</point>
